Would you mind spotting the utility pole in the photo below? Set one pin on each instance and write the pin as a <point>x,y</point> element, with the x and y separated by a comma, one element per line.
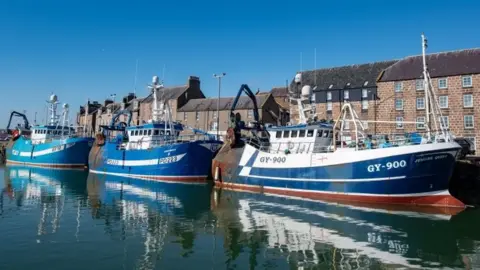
<point>219,77</point>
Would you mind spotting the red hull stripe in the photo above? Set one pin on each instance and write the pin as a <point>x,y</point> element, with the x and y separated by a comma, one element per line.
<point>430,200</point>
<point>161,178</point>
<point>47,165</point>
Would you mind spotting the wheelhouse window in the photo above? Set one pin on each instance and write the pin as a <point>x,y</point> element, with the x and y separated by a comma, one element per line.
<point>319,133</point>
<point>149,132</point>
<point>301,133</point>
<point>310,133</point>
<point>294,134</point>
<point>278,134</point>
<point>286,133</point>
<point>155,132</point>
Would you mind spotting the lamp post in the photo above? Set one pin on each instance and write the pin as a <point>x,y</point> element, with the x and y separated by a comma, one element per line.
<point>219,77</point>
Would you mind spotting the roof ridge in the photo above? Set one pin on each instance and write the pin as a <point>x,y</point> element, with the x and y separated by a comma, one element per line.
<point>353,65</point>
<point>445,52</point>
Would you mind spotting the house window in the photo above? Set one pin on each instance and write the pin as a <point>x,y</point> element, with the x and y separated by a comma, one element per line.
<point>419,85</point>
<point>398,86</point>
<point>468,101</point>
<point>364,93</point>
<point>214,126</point>
<point>329,95</point>
<point>185,116</point>
<point>442,83</point>
<point>468,121</point>
<point>444,121</point>
<point>346,124</point>
<point>365,124</point>
<point>250,113</point>
<point>329,106</point>
<point>420,103</point>
<point>346,94</point>
<point>420,122</point>
<point>197,116</point>
<point>364,104</point>
<point>443,102</point>
<point>399,121</point>
<point>399,104</point>
<point>467,81</point>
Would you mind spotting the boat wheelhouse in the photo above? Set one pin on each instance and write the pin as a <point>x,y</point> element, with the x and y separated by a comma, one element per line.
<point>369,168</point>
<point>51,145</point>
<point>155,150</point>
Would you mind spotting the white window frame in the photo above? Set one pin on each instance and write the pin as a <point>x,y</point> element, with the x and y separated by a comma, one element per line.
<point>400,86</point>
<point>463,81</point>
<point>365,104</point>
<point>185,116</point>
<point>312,98</point>
<point>420,119</point>
<point>329,96</point>
<point>446,83</point>
<point>197,116</point>
<point>473,121</point>
<point>398,109</point>
<point>416,103</point>
<point>399,122</point>
<point>446,121</point>
<point>346,94</point>
<point>471,99</point>
<point>417,85</point>
<point>365,124</point>
<point>329,106</point>
<point>440,103</point>
<point>346,124</point>
<point>364,93</point>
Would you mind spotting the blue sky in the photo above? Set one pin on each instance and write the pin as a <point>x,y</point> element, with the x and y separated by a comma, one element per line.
<point>88,49</point>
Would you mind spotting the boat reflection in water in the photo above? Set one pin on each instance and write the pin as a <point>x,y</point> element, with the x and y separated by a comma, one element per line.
<point>339,236</point>
<point>154,210</point>
<point>31,187</point>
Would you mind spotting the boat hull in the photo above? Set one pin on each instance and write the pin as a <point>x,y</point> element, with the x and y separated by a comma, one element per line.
<point>61,153</point>
<point>187,162</point>
<point>417,174</point>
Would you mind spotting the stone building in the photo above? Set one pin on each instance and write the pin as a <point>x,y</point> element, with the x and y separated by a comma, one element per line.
<point>280,94</point>
<point>202,113</point>
<point>334,86</point>
<point>456,80</point>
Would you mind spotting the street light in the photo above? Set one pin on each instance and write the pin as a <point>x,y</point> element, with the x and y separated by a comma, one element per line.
<point>219,77</point>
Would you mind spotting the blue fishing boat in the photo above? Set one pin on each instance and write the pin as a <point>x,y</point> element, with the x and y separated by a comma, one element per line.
<point>315,160</point>
<point>155,150</point>
<point>52,145</point>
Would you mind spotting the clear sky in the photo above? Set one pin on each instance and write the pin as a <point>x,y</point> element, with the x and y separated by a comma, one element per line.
<point>88,49</point>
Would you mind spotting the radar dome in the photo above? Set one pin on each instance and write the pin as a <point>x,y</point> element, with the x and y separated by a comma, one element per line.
<point>155,80</point>
<point>65,105</point>
<point>53,98</point>
<point>298,78</point>
<point>306,91</point>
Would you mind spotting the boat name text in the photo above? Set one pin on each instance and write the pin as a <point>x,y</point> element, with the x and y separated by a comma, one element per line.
<point>387,166</point>
<point>273,160</point>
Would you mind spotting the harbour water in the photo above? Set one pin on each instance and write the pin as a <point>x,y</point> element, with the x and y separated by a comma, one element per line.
<point>63,219</point>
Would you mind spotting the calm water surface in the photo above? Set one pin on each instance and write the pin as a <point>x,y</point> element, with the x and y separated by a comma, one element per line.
<point>62,219</point>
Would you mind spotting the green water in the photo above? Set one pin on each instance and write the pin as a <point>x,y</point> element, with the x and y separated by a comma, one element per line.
<point>60,219</point>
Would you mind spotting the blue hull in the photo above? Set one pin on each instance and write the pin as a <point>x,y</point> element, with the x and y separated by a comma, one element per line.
<point>187,162</point>
<point>68,153</point>
<point>403,175</point>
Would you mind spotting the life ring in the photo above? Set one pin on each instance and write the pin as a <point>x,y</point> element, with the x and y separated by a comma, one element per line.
<point>290,145</point>
<point>16,134</point>
<point>100,139</point>
<point>230,138</point>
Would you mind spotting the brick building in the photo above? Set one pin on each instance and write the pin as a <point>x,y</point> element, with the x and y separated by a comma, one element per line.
<point>456,80</point>
<point>280,94</point>
<point>334,86</point>
<point>202,113</point>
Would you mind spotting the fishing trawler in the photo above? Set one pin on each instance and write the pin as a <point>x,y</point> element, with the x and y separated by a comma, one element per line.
<point>155,150</point>
<point>52,145</point>
<point>312,160</point>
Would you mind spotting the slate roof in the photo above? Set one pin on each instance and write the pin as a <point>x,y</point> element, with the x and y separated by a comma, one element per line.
<point>210,104</point>
<point>442,64</point>
<point>279,91</point>
<point>339,77</point>
<point>169,93</point>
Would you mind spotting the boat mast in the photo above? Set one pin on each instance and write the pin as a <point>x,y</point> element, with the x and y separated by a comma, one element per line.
<point>85,119</point>
<point>52,102</point>
<point>155,87</point>
<point>426,87</point>
<point>65,117</point>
